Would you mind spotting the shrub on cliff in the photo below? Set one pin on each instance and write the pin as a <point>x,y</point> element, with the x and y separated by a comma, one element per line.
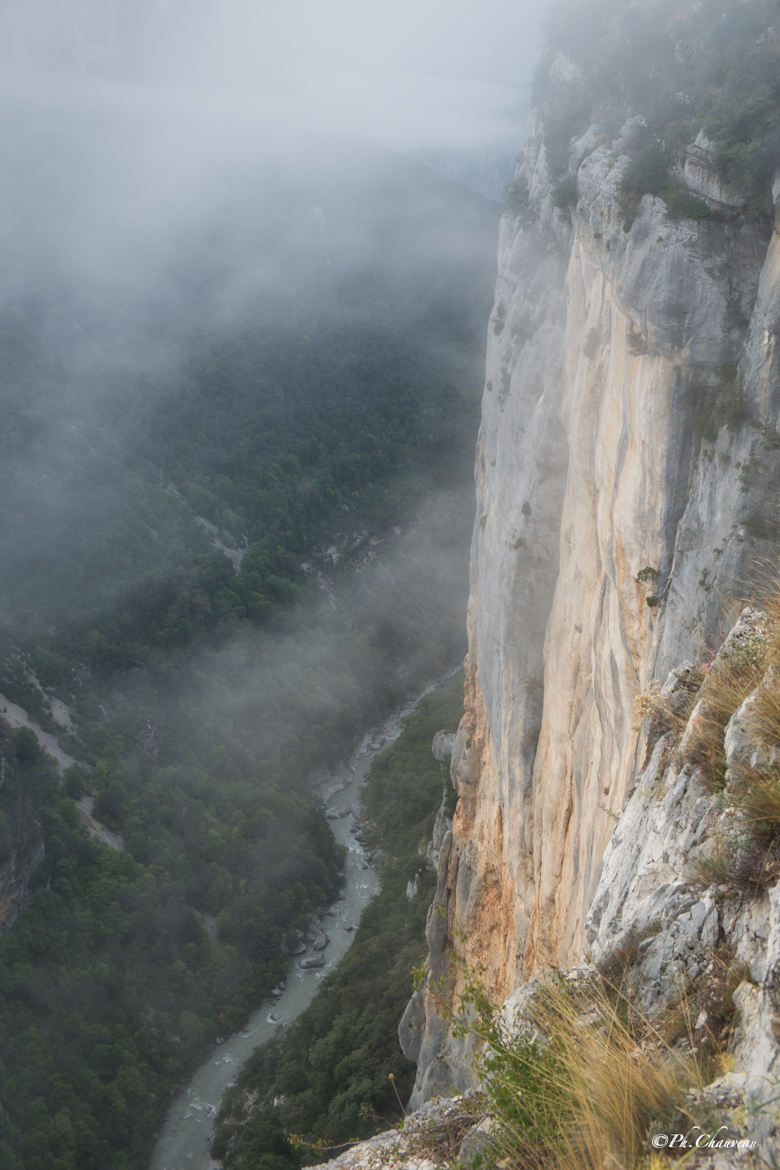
<point>744,119</point>
<point>681,70</point>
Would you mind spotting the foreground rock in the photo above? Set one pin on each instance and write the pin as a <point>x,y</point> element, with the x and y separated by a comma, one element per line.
<point>431,1138</point>
<point>313,961</point>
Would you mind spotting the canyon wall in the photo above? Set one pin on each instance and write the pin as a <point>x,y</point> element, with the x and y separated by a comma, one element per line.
<point>627,484</point>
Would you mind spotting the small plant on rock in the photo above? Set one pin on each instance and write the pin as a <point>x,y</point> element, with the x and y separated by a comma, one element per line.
<point>669,711</point>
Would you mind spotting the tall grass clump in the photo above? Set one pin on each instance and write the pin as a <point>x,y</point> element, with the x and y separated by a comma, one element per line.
<point>583,1081</point>
<point>746,667</point>
<point>733,674</point>
<point>757,793</point>
<point>757,788</point>
<point>766,713</point>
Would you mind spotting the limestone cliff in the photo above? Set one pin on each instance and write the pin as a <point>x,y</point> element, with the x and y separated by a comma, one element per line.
<point>688,901</point>
<point>627,481</point>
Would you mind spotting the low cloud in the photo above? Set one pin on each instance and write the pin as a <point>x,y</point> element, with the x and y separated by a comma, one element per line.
<point>417,74</point>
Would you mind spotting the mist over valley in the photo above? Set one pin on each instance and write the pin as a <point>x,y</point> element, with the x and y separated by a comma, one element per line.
<point>241,365</point>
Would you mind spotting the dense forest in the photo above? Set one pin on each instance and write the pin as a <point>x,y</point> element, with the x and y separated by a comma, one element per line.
<point>236,473</point>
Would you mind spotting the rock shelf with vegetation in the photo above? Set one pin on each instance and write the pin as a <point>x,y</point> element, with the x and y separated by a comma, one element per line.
<point>669,1024</point>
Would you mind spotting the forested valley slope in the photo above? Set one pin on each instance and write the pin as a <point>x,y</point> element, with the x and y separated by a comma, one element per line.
<point>239,395</point>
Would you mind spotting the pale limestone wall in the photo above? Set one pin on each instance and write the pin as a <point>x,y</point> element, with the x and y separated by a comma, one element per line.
<point>588,470</point>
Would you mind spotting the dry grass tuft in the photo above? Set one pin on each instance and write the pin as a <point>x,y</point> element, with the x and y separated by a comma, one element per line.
<point>585,1082</point>
<point>770,603</point>
<point>654,705</point>
<point>731,677</point>
<point>765,717</point>
<point>758,795</point>
<point>669,711</point>
<point>439,1136</point>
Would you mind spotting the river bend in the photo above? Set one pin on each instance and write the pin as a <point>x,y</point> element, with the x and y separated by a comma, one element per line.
<point>185,1139</point>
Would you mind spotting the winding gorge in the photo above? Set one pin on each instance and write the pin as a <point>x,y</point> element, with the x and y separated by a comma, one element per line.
<point>627,498</point>
<point>240,413</point>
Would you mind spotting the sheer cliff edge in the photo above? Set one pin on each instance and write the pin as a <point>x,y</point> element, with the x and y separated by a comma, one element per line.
<point>627,484</point>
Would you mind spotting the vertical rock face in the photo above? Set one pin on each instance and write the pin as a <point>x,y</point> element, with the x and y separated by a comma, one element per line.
<point>617,518</point>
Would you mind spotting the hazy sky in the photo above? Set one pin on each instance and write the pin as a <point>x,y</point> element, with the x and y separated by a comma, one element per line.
<point>133,133</point>
<point>411,73</point>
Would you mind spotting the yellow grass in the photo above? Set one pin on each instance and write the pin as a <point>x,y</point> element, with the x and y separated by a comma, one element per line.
<point>591,1090</point>
<point>733,675</point>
